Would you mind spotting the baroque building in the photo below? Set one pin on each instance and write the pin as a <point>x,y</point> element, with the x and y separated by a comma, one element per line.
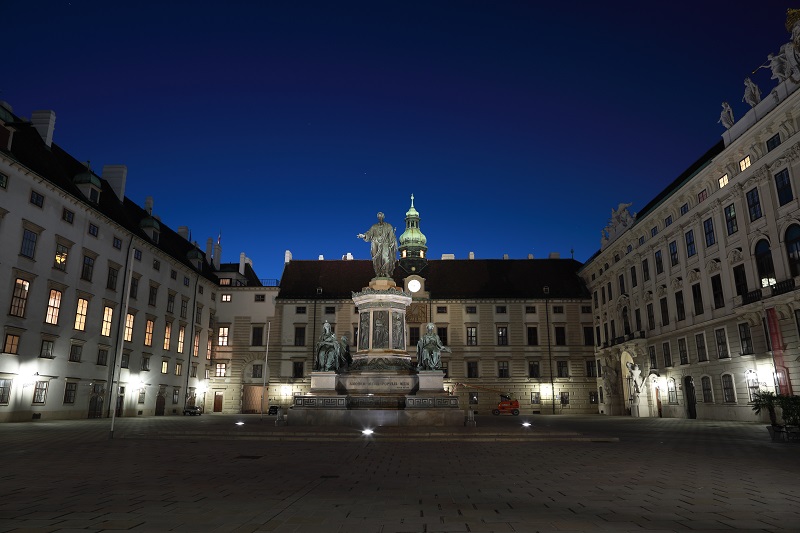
<point>513,326</point>
<point>695,299</point>
<point>73,244</point>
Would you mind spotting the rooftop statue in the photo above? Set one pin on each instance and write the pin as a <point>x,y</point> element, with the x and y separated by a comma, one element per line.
<point>726,116</point>
<point>383,247</point>
<point>429,350</point>
<point>752,94</point>
<point>778,66</point>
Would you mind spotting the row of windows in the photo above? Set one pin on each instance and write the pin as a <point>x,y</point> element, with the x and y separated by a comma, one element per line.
<point>257,298</point>
<point>784,193</point>
<point>727,387</point>
<point>21,292</point>
<point>442,309</point>
<point>471,339</point>
<point>720,347</point>
<point>70,392</point>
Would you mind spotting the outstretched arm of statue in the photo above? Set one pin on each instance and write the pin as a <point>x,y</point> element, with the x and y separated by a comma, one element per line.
<point>361,236</point>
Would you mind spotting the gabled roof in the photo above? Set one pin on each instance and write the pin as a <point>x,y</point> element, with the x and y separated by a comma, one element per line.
<point>59,168</point>
<point>444,279</point>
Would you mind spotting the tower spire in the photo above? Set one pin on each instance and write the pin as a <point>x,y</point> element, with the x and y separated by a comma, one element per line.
<point>413,249</point>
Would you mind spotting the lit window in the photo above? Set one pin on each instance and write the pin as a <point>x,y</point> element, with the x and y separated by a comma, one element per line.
<point>60,261</point>
<point>80,314</point>
<point>129,327</point>
<point>148,333</point>
<point>208,348</point>
<point>196,345</point>
<point>220,370</point>
<point>181,335</point>
<point>222,339</point>
<point>53,306</point>
<point>178,368</point>
<point>164,367</point>
<point>723,181</point>
<point>108,315</point>
<point>744,163</point>
<point>167,335</point>
<point>502,335</point>
<point>226,297</point>
<point>11,344</point>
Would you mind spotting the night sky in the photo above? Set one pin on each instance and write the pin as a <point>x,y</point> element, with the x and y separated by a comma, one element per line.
<point>287,125</point>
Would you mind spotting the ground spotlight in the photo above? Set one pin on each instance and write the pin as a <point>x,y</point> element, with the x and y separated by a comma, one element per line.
<point>239,423</point>
<point>367,432</point>
<point>526,424</point>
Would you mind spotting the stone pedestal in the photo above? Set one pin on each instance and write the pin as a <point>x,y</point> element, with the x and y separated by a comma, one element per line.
<point>380,387</point>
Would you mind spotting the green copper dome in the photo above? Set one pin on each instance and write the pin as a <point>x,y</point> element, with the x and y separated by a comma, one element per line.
<point>412,236</point>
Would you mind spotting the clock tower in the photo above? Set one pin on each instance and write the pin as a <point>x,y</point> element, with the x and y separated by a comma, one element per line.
<point>413,252</point>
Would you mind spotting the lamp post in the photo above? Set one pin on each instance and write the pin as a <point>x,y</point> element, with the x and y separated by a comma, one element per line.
<point>266,369</point>
<point>546,290</point>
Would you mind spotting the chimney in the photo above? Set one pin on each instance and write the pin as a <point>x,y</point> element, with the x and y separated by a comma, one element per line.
<point>505,256</point>
<point>472,255</point>
<point>45,123</point>
<point>116,175</point>
<point>530,256</point>
<point>321,257</point>
<point>242,259</point>
<point>347,257</point>
<point>287,256</point>
<point>554,255</point>
<point>209,243</point>
<point>148,205</point>
<point>217,254</point>
<point>448,257</point>
<point>183,231</point>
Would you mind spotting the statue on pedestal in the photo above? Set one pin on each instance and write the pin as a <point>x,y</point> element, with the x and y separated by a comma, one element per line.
<point>429,349</point>
<point>327,350</point>
<point>383,242</point>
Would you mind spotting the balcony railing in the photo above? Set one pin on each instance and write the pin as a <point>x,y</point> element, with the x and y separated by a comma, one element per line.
<point>752,296</point>
<point>782,287</point>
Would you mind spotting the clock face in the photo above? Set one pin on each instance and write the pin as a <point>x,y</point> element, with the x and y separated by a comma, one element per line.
<point>414,285</point>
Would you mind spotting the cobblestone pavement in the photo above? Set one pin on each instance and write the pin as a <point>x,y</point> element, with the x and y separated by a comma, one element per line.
<point>207,474</point>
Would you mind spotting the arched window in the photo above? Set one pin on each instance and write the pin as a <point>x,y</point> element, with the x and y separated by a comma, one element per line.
<point>793,248</point>
<point>708,395</point>
<point>766,270</point>
<point>751,378</point>
<point>672,391</point>
<point>728,392</point>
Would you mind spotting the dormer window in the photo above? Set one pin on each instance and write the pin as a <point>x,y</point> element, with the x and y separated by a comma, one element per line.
<point>94,195</point>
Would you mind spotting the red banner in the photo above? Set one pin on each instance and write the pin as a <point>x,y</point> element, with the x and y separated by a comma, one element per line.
<point>776,339</point>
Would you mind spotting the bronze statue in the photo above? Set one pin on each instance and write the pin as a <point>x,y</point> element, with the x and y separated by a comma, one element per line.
<point>383,247</point>
<point>429,349</point>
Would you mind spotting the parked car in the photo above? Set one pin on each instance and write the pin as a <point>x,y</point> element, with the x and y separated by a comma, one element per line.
<point>192,410</point>
<point>273,410</point>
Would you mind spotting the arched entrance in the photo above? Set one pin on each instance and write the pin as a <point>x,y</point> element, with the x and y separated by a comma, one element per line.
<point>691,397</point>
<point>161,403</point>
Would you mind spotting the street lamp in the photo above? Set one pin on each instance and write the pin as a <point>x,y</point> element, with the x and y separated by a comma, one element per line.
<point>546,290</point>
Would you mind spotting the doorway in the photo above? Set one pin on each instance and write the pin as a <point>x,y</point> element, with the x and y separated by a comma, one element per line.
<point>161,402</point>
<point>691,398</point>
<point>218,395</point>
<point>96,406</point>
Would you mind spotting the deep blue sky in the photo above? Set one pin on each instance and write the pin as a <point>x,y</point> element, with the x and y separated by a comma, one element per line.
<point>288,125</point>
